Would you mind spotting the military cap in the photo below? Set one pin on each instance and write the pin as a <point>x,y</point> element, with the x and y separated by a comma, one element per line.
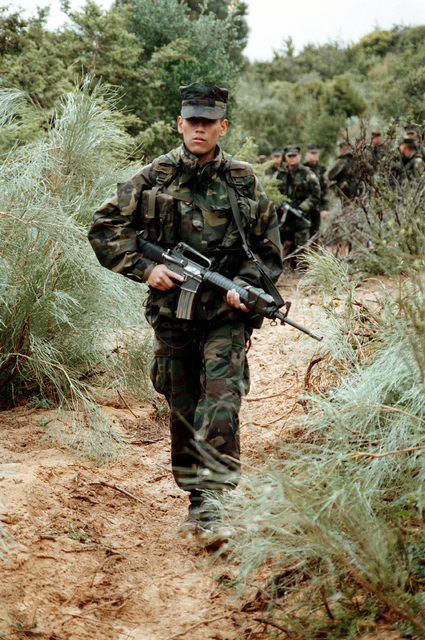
<point>408,140</point>
<point>203,100</point>
<point>276,152</point>
<point>292,150</point>
<point>314,148</point>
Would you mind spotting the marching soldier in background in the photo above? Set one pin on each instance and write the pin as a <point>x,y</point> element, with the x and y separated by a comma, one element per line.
<point>301,188</point>
<point>312,162</point>
<point>276,156</point>
<point>377,148</point>
<point>411,131</point>
<point>342,173</point>
<point>410,165</point>
<point>199,195</point>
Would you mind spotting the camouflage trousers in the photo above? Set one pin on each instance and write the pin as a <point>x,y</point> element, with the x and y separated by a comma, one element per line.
<point>203,372</point>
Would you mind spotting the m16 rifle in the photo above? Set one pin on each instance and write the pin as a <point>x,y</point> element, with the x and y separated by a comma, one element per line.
<point>195,269</point>
<point>286,211</point>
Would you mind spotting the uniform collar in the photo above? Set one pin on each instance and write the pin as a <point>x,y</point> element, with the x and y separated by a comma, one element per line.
<point>191,162</point>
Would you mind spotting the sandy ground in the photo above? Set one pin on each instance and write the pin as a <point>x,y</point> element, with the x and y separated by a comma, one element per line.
<point>94,552</point>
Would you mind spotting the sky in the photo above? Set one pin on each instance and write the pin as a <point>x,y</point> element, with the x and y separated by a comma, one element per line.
<point>272,22</point>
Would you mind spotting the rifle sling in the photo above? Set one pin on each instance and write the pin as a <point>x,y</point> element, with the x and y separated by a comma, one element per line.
<point>266,282</point>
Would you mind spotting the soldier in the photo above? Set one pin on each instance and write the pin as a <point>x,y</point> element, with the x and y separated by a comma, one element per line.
<point>377,149</point>
<point>411,131</point>
<point>410,165</point>
<point>342,173</point>
<point>312,162</point>
<point>301,188</point>
<point>276,157</point>
<point>200,364</point>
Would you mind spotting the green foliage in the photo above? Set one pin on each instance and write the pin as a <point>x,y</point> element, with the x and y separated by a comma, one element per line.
<point>63,319</point>
<point>324,515</point>
<point>300,112</point>
<point>144,48</point>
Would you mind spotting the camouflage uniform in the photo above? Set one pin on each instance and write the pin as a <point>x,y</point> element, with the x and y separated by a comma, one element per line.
<point>301,188</point>
<point>411,168</point>
<point>320,171</point>
<point>377,152</point>
<point>407,168</point>
<point>200,364</point>
<point>343,175</point>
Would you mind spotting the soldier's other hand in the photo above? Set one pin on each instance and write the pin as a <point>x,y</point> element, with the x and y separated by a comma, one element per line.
<point>323,214</point>
<point>233,299</point>
<point>162,278</point>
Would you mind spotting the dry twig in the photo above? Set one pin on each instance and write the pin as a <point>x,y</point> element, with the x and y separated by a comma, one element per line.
<point>127,405</point>
<point>266,621</point>
<point>112,486</point>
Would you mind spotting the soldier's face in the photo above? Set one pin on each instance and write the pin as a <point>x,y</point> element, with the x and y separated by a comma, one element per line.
<point>407,150</point>
<point>292,161</point>
<point>313,156</point>
<point>201,135</point>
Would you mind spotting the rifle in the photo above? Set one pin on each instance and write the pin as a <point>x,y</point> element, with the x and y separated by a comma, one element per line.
<point>196,269</point>
<point>285,208</point>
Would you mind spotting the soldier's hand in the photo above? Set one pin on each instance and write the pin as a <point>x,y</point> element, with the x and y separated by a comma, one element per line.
<point>233,299</point>
<point>162,278</point>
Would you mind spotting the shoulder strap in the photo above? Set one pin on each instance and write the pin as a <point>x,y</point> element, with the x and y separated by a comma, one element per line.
<point>266,282</point>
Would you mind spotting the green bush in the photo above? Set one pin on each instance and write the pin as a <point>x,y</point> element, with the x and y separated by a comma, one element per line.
<point>64,320</point>
<point>333,522</point>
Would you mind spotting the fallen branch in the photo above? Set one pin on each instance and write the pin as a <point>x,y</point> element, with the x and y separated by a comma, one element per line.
<point>274,624</point>
<point>311,364</point>
<point>127,405</point>
<point>325,603</point>
<point>144,441</point>
<point>113,486</point>
<point>275,395</point>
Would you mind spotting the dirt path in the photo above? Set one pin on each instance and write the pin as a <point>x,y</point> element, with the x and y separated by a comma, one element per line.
<point>95,554</point>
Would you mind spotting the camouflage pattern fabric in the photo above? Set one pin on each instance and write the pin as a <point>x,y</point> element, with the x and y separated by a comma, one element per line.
<point>320,171</point>
<point>194,208</point>
<point>301,188</point>
<point>202,371</point>
<point>411,168</point>
<point>202,100</point>
<point>343,175</point>
<point>175,199</point>
<point>377,156</point>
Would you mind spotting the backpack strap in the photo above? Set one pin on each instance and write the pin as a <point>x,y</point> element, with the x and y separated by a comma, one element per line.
<point>266,282</point>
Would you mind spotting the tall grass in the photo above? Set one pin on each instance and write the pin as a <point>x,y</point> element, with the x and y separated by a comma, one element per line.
<point>64,320</point>
<point>334,523</point>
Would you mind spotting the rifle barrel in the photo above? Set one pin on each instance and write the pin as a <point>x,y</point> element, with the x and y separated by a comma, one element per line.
<point>298,326</point>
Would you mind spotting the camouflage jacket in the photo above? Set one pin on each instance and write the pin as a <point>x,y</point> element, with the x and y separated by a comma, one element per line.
<point>176,199</point>
<point>342,174</point>
<point>377,156</point>
<point>301,187</point>
<point>320,171</point>
<point>412,168</point>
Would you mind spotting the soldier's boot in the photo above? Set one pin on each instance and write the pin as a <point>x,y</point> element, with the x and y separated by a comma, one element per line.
<point>191,524</point>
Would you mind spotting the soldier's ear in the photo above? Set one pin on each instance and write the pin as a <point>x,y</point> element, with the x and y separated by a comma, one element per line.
<point>180,124</point>
<point>223,128</point>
